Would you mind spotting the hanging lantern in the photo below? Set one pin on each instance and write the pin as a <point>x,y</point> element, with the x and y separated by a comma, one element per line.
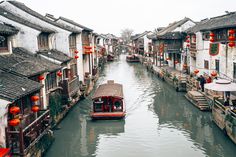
<point>212,39</point>
<point>41,77</point>
<point>231,38</point>
<point>231,31</point>
<point>76,51</point>
<point>185,65</point>
<point>212,34</point>
<point>188,45</point>
<point>35,108</point>
<point>231,44</point>
<point>213,73</point>
<point>14,110</point>
<point>34,98</point>
<point>188,41</point>
<point>196,71</point>
<point>187,36</point>
<point>59,73</point>
<point>87,47</point>
<point>14,122</point>
<point>76,57</point>
<point>176,62</point>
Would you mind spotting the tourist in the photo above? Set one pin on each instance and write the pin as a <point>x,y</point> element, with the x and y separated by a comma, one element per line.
<point>202,82</point>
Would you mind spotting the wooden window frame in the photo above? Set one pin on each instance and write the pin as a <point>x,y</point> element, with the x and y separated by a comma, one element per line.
<point>206,64</point>
<point>43,41</point>
<point>4,45</point>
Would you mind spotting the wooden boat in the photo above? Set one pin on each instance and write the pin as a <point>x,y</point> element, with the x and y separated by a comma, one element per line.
<point>230,124</point>
<point>110,57</point>
<point>198,100</point>
<point>132,58</point>
<point>108,102</point>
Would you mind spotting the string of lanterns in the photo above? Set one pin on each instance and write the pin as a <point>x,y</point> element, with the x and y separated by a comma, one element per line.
<point>231,38</point>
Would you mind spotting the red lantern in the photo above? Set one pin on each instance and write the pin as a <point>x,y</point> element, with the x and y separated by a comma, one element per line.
<point>231,31</point>
<point>41,77</point>
<point>188,41</point>
<point>35,108</point>
<point>14,122</point>
<point>14,110</point>
<point>59,73</point>
<point>212,34</point>
<point>231,38</point>
<point>76,57</point>
<point>231,44</point>
<point>196,71</point>
<point>34,98</point>
<point>76,51</point>
<point>185,65</point>
<point>87,47</point>
<point>213,73</point>
<point>188,45</point>
<point>187,36</point>
<point>212,40</point>
<point>176,62</point>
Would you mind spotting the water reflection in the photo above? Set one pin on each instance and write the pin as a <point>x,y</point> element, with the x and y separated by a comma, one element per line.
<point>159,122</point>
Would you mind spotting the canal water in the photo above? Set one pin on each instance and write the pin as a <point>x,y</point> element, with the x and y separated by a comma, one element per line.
<point>159,122</point>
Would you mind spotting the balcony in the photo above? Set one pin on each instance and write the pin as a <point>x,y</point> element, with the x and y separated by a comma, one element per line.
<point>70,88</point>
<point>22,139</point>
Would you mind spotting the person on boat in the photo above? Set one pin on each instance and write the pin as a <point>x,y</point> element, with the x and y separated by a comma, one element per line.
<point>202,82</point>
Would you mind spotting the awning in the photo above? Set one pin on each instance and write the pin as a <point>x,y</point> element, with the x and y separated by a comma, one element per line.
<point>221,85</point>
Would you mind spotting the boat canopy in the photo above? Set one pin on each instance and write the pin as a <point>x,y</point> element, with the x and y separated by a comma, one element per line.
<point>109,89</point>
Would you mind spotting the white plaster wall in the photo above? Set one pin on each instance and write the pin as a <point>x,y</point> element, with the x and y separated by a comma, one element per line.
<point>3,121</point>
<point>61,37</point>
<point>146,41</point>
<point>26,37</point>
<point>80,69</point>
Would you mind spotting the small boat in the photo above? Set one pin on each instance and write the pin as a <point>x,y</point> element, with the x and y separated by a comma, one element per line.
<point>132,58</point>
<point>110,57</point>
<point>108,102</point>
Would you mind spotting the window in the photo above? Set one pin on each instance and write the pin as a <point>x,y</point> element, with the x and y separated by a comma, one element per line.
<point>234,71</point>
<point>206,64</point>
<point>51,81</point>
<point>72,41</point>
<point>43,42</point>
<point>221,35</point>
<point>206,36</point>
<point>217,64</point>
<point>3,43</point>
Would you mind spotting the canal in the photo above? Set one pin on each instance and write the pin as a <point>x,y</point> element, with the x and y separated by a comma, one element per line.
<point>159,122</point>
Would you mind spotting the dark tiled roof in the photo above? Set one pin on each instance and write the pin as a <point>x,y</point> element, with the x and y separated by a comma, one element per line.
<point>22,21</point>
<point>55,54</point>
<point>172,35</point>
<point>24,63</point>
<point>200,25</point>
<point>224,21</point>
<point>172,26</point>
<point>140,35</point>
<point>75,23</point>
<point>7,29</point>
<point>23,7</point>
<point>13,87</point>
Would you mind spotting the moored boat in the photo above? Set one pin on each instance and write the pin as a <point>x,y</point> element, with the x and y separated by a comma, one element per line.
<point>230,124</point>
<point>108,101</point>
<point>132,58</point>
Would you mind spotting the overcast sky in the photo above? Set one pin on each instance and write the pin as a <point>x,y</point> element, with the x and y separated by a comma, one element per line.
<point>110,16</point>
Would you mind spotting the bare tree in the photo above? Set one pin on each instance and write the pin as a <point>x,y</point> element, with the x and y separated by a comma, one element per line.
<point>126,35</point>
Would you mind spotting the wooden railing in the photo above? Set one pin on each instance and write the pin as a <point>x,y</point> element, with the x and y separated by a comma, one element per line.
<point>70,87</point>
<point>21,140</point>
